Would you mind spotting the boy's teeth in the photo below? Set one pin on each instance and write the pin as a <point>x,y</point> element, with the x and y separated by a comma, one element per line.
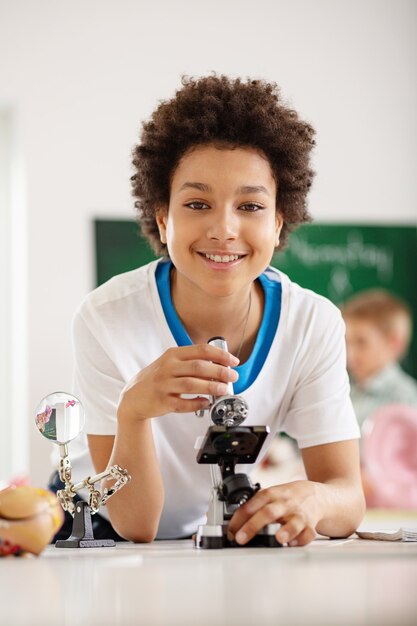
<point>222,259</point>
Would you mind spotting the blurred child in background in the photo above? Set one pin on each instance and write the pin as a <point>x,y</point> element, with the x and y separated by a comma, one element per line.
<point>378,333</point>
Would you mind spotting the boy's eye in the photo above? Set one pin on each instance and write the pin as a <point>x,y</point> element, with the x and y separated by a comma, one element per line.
<point>251,206</point>
<point>198,206</point>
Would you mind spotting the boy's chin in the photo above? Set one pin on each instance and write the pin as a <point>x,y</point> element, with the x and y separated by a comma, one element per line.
<point>358,378</point>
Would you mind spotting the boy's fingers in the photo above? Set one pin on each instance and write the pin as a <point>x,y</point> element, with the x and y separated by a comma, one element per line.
<point>206,369</point>
<point>208,353</point>
<point>291,530</point>
<point>268,514</point>
<point>245,512</point>
<point>199,386</point>
<point>189,405</point>
<point>305,537</point>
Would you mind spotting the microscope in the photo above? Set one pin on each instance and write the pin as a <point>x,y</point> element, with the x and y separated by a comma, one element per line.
<point>226,444</point>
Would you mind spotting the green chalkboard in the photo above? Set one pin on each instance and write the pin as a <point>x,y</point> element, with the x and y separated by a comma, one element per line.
<point>335,260</point>
<point>119,248</point>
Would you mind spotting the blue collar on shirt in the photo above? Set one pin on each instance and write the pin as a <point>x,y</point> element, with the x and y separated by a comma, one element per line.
<point>249,370</point>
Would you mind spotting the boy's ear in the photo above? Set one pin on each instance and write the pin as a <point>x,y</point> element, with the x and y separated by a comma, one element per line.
<point>279,222</point>
<point>161,216</point>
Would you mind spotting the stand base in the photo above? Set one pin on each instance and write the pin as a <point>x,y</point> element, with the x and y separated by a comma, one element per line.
<point>82,535</point>
<point>215,537</point>
<point>76,542</point>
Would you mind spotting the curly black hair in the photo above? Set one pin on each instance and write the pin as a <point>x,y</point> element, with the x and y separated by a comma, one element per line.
<point>226,112</point>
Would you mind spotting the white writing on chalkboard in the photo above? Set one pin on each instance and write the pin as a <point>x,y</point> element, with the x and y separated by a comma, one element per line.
<point>351,254</point>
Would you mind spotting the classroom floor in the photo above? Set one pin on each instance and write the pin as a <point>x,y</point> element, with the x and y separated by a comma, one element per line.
<point>349,581</point>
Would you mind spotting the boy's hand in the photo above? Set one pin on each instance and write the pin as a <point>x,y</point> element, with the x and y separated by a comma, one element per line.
<point>157,389</point>
<point>296,506</point>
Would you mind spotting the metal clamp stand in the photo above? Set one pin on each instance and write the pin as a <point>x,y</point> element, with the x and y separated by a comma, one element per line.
<point>82,534</point>
<point>60,419</point>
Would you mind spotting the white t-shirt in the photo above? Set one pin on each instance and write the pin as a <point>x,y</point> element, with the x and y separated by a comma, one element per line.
<point>297,381</point>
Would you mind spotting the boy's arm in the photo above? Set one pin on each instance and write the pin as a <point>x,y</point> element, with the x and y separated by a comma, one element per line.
<point>136,509</point>
<point>155,390</point>
<point>335,468</point>
<point>330,502</point>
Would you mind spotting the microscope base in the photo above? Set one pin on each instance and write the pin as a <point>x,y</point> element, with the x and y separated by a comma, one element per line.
<point>74,542</point>
<point>215,537</point>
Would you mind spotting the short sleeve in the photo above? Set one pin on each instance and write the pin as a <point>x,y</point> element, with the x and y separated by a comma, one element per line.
<point>97,381</point>
<point>320,409</point>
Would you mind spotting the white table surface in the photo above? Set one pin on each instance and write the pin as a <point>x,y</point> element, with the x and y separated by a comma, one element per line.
<point>167,583</point>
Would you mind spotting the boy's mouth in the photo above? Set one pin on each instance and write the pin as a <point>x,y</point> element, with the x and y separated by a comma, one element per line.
<point>221,258</point>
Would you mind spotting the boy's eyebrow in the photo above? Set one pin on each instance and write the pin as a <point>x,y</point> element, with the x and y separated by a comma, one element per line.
<point>242,190</point>
<point>253,189</point>
<point>199,186</point>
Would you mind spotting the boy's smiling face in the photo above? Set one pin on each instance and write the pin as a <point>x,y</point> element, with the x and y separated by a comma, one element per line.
<point>221,226</point>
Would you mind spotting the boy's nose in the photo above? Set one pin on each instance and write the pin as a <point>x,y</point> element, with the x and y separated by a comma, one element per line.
<point>224,225</point>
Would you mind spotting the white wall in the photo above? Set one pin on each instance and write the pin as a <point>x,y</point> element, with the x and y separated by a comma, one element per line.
<point>81,75</point>
<point>14,431</point>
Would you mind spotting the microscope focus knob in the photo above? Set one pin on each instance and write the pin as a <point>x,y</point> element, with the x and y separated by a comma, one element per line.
<point>238,489</point>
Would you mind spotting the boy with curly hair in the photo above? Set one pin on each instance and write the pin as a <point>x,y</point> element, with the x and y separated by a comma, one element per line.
<point>221,177</point>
